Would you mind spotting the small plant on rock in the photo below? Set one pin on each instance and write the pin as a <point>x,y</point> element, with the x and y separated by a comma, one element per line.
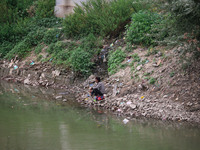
<point>152,80</point>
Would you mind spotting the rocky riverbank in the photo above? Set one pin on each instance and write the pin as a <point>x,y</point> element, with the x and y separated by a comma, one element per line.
<point>125,97</point>
<point>139,103</point>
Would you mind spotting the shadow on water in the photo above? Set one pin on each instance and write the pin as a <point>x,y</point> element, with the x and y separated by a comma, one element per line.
<point>31,119</point>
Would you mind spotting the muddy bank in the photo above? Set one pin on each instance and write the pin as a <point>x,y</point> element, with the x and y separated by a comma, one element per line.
<point>123,98</point>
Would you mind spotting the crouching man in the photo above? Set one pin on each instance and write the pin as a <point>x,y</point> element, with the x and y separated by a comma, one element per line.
<point>98,90</point>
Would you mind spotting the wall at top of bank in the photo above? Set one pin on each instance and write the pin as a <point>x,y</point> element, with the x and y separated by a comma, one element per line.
<point>65,7</point>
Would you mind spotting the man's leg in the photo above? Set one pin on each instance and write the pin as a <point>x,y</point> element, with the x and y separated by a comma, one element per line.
<point>96,92</point>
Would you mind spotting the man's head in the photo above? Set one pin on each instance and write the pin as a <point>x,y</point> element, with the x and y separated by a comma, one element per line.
<point>97,79</point>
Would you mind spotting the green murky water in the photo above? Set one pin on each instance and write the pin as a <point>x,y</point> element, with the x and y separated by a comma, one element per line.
<point>31,120</point>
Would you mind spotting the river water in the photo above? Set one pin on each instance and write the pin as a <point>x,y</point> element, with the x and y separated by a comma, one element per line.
<point>30,119</point>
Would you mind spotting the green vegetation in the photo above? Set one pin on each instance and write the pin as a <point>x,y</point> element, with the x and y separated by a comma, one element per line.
<point>80,61</point>
<point>114,60</point>
<point>100,18</point>
<point>172,74</point>
<point>140,29</point>
<point>75,42</point>
<point>136,58</point>
<point>152,81</point>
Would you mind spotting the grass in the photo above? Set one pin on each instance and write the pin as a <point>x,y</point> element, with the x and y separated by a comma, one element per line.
<point>152,80</point>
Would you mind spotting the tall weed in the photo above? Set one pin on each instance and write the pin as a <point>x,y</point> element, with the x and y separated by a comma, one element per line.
<point>99,17</point>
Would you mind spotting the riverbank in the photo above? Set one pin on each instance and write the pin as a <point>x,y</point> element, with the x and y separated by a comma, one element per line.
<point>130,93</point>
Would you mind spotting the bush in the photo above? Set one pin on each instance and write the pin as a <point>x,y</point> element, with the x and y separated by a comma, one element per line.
<point>35,37</point>
<point>80,61</point>
<point>139,31</point>
<point>48,22</point>
<point>91,44</point>
<point>187,25</point>
<point>186,13</point>
<point>52,36</point>
<point>98,17</point>
<point>114,60</point>
<point>5,48</point>
<point>21,49</point>
<point>54,47</point>
<point>38,48</point>
<point>45,8</point>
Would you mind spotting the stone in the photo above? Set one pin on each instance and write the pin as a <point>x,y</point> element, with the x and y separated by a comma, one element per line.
<point>139,67</point>
<point>128,103</point>
<point>56,73</point>
<point>142,87</point>
<point>115,90</point>
<point>158,54</point>
<point>165,96</point>
<point>133,106</point>
<point>64,100</point>
<point>58,97</point>
<point>125,121</point>
<point>155,65</point>
<point>27,81</point>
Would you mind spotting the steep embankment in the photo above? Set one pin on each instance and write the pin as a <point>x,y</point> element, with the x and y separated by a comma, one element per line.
<point>150,83</point>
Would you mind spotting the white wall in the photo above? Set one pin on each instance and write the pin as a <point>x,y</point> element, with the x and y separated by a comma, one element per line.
<point>65,7</point>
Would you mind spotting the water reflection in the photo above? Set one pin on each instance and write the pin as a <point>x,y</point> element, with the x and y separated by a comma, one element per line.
<point>31,120</point>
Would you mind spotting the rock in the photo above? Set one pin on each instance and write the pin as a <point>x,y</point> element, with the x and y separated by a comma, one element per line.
<point>91,79</point>
<point>58,97</point>
<point>132,106</point>
<point>119,110</point>
<point>42,75</point>
<point>142,87</point>
<point>139,67</point>
<point>189,104</point>
<point>155,65</point>
<point>158,54</point>
<point>64,100</point>
<point>27,81</point>
<point>56,73</point>
<point>128,103</point>
<point>132,82</point>
<point>125,121</point>
<point>115,90</point>
<point>165,96</point>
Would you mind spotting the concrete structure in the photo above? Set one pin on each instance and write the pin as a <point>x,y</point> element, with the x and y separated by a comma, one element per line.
<point>65,7</point>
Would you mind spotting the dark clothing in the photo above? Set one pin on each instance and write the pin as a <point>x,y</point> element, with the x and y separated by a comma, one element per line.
<point>96,92</point>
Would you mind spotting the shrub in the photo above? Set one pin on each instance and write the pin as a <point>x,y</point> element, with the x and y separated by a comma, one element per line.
<point>57,47</point>
<point>140,28</point>
<point>186,12</point>
<point>48,22</point>
<point>39,57</point>
<point>187,25</point>
<point>21,49</point>
<point>35,37</point>
<point>91,44</point>
<point>38,48</point>
<point>136,58</point>
<point>5,48</point>
<point>98,17</point>
<point>114,60</point>
<point>45,8</point>
<point>52,36</point>
<point>80,61</point>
